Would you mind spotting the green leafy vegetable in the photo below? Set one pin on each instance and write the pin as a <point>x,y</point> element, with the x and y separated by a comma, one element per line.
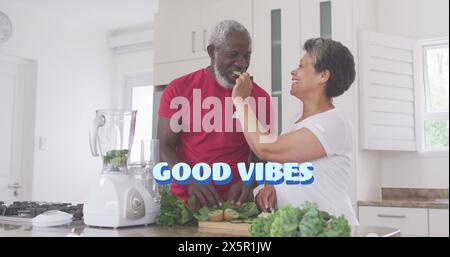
<point>174,211</point>
<point>202,214</point>
<point>285,222</point>
<point>261,226</point>
<point>308,221</point>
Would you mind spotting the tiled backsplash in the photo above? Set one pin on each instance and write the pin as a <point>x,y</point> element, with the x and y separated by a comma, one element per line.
<point>415,194</point>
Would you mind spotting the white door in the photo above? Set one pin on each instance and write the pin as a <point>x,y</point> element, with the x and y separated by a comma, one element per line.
<point>12,79</point>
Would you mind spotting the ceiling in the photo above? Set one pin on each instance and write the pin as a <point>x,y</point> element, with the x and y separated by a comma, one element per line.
<point>108,14</point>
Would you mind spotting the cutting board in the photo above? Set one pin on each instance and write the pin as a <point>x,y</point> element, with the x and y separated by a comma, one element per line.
<point>224,228</point>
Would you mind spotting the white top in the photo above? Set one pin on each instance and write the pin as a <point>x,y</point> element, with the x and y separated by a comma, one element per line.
<point>330,189</point>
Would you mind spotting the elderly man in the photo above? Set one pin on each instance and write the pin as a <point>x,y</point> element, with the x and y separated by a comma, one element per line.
<point>230,50</point>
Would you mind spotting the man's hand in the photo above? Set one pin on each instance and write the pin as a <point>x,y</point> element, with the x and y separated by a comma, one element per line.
<point>266,198</point>
<point>206,195</point>
<point>243,87</point>
<point>240,193</point>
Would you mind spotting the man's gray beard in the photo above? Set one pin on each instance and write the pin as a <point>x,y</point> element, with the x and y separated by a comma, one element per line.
<point>223,82</point>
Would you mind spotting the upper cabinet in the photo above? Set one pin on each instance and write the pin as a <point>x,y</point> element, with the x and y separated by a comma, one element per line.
<point>177,27</point>
<point>182,30</point>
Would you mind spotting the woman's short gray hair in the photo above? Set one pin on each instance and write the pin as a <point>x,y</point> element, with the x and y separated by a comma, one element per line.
<point>330,55</point>
<point>221,30</point>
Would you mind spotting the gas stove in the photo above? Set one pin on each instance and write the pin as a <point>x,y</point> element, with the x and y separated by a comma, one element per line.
<point>24,212</point>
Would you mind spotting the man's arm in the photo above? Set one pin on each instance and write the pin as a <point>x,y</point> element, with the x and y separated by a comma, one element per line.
<point>168,142</point>
<point>205,194</point>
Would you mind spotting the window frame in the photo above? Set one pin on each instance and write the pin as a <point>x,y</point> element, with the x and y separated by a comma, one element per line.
<point>422,94</point>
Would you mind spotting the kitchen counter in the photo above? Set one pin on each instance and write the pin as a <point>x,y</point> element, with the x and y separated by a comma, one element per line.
<point>435,204</point>
<point>410,198</point>
<point>77,230</point>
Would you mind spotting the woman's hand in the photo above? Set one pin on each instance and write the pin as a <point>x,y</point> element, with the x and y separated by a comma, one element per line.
<point>243,87</point>
<point>266,198</point>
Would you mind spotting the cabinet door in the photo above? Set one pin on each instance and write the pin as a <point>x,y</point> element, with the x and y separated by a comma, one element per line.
<point>276,52</point>
<point>214,11</point>
<point>177,31</point>
<point>438,222</point>
<point>410,221</point>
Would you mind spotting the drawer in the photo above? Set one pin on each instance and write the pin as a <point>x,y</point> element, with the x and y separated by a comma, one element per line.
<point>439,222</point>
<point>410,221</point>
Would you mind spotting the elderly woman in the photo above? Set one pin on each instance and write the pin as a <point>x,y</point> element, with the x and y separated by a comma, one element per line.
<point>320,134</point>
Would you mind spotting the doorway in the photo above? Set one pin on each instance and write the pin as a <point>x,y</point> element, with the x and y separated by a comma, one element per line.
<point>17,112</point>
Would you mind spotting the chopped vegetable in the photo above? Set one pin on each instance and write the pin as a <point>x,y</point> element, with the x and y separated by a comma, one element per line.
<point>177,212</point>
<point>216,215</point>
<point>246,211</point>
<point>230,214</point>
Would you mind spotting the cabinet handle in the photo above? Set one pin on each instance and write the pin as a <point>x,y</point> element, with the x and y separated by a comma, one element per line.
<point>193,41</point>
<point>15,186</point>
<point>204,40</point>
<point>391,216</point>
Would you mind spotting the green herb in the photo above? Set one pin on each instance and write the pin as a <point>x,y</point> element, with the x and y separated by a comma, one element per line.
<point>202,214</point>
<point>247,210</point>
<point>174,211</point>
<point>308,221</point>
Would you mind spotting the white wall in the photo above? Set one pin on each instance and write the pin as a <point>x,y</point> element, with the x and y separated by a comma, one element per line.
<point>414,19</point>
<point>368,178</point>
<point>73,80</point>
<point>349,17</point>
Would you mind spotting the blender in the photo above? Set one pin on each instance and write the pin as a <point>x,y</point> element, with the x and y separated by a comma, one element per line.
<point>117,199</point>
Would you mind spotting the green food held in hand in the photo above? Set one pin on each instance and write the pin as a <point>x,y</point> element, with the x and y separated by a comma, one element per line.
<point>308,221</point>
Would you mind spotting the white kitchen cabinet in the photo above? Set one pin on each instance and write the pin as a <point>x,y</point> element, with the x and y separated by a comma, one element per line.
<point>438,222</point>
<point>176,28</point>
<point>410,221</point>
<point>215,11</point>
<point>182,29</point>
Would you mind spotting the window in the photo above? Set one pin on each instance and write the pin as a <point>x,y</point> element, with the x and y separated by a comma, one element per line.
<point>142,101</point>
<point>276,61</point>
<point>325,20</point>
<point>139,94</point>
<point>436,97</point>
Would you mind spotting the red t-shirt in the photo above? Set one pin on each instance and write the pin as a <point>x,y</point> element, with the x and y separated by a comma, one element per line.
<point>209,147</point>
